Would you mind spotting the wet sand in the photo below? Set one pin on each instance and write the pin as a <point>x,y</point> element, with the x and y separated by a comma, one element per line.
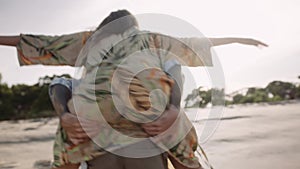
<point>248,136</point>
<point>262,137</point>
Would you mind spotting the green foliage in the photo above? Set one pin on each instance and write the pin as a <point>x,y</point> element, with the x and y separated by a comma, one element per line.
<point>201,97</point>
<point>6,107</point>
<point>284,90</point>
<point>255,95</point>
<point>276,99</point>
<point>24,101</point>
<point>42,106</point>
<point>298,92</point>
<point>204,97</point>
<point>237,99</point>
<point>217,96</point>
<point>275,91</point>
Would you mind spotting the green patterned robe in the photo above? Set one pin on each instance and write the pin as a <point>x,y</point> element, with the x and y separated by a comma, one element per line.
<point>63,50</point>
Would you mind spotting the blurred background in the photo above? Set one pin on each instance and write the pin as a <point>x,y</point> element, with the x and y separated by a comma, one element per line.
<point>260,124</point>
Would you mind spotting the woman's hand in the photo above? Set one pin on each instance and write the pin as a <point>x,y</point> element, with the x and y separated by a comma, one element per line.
<point>248,41</point>
<point>163,122</point>
<point>244,41</point>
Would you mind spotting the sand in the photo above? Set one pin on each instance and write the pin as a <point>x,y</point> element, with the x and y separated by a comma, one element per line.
<point>248,136</point>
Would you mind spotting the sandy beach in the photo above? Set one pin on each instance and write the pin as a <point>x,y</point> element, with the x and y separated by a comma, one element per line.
<point>258,136</point>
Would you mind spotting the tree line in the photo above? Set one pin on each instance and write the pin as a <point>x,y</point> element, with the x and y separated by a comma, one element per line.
<point>23,101</point>
<point>275,91</point>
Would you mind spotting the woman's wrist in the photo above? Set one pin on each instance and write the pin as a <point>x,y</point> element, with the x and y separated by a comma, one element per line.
<point>10,40</point>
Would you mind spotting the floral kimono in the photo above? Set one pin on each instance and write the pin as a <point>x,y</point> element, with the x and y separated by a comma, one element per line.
<point>135,61</point>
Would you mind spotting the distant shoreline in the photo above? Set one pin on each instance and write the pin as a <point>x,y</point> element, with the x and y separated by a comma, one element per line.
<point>283,102</point>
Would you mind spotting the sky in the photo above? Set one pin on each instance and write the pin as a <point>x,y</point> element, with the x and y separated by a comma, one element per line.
<point>274,22</point>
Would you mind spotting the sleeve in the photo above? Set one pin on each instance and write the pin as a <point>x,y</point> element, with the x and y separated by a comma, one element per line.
<point>191,52</point>
<point>51,50</point>
<point>201,48</point>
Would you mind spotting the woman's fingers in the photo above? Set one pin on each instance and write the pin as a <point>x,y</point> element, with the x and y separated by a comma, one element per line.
<point>259,43</point>
<point>263,44</point>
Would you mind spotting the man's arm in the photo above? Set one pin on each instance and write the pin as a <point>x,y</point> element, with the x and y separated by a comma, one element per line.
<point>60,96</point>
<point>9,40</point>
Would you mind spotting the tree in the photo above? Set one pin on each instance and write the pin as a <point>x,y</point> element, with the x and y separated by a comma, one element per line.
<point>257,94</point>
<point>42,106</point>
<point>237,99</point>
<point>204,97</point>
<point>201,97</point>
<point>26,101</point>
<point>284,90</point>
<point>23,97</point>
<point>192,97</point>
<point>6,107</point>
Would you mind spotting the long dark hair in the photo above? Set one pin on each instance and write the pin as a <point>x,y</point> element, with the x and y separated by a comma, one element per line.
<point>117,22</point>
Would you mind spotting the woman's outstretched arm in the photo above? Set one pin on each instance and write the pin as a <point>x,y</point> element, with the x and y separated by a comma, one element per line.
<point>45,49</point>
<point>245,41</point>
<point>9,40</point>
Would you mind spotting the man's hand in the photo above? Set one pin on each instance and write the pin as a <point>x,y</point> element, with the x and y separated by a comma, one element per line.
<point>79,131</point>
<point>163,122</point>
